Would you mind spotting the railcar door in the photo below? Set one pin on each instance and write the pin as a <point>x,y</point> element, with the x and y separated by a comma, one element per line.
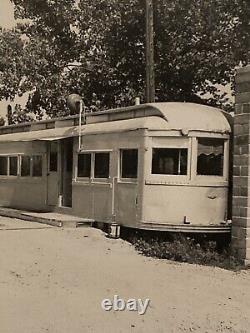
<point>126,188</point>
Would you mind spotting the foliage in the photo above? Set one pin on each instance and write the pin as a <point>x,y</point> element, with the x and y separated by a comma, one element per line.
<point>96,48</point>
<point>186,249</point>
<point>2,121</point>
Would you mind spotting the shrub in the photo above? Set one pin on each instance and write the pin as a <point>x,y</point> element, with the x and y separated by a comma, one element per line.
<point>178,247</point>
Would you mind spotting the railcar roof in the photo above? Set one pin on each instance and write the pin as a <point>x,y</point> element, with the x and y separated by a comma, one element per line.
<point>153,116</point>
<point>189,116</point>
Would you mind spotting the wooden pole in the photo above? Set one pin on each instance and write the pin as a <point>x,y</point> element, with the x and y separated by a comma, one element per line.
<point>150,75</point>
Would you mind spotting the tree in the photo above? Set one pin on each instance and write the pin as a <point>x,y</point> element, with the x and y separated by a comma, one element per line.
<point>96,48</point>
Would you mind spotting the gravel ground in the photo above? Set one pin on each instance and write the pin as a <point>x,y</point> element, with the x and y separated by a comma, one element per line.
<point>53,280</point>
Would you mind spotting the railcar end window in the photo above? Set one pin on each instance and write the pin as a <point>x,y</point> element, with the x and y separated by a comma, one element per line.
<point>13,165</point>
<point>3,165</point>
<point>101,165</point>
<point>37,166</point>
<point>25,166</point>
<point>210,157</point>
<point>129,163</point>
<point>84,165</point>
<point>169,161</point>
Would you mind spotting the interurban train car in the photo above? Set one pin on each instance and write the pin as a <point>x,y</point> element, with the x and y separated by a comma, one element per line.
<point>159,166</point>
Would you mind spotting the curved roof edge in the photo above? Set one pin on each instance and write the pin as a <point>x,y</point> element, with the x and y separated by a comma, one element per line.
<point>178,115</point>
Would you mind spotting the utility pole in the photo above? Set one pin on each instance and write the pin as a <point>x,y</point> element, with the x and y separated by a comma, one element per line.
<point>150,74</point>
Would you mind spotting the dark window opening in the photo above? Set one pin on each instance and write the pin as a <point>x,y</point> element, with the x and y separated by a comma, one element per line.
<point>210,157</point>
<point>101,165</point>
<point>3,165</point>
<point>53,156</point>
<point>84,165</point>
<point>53,161</point>
<point>25,166</point>
<point>13,165</point>
<point>37,166</point>
<point>129,163</point>
<point>169,161</point>
<point>69,155</point>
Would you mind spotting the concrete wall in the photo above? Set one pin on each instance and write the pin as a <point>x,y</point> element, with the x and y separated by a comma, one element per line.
<point>241,168</point>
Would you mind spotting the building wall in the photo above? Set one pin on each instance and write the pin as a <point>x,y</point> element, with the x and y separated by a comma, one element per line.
<point>24,192</point>
<point>241,169</point>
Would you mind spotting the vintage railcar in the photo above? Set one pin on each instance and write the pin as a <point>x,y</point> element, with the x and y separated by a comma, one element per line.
<point>159,166</point>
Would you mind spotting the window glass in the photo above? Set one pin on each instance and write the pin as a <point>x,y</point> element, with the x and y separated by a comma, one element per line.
<point>101,165</point>
<point>53,157</point>
<point>169,161</point>
<point>3,165</point>
<point>84,165</point>
<point>25,166</point>
<point>129,163</point>
<point>210,157</point>
<point>13,165</point>
<point>37,166</point>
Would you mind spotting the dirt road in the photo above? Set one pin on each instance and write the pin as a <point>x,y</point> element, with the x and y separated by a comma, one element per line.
<point>53,280</point>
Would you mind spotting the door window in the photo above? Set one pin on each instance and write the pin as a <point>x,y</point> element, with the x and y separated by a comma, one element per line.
<point>53,157</point>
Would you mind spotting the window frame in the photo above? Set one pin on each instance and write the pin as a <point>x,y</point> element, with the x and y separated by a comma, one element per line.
<point>94,165</point>
<point>21,156</point>
<point>120,158</point>
<point>17,166</point>
<point>77,165</point>
<point>8,175</point>
<point>92,178</point>
<point>31,166</point>
<point>168,174</point>
<point>7,165</point>
<point>211,178</point>
<point>170,143</point>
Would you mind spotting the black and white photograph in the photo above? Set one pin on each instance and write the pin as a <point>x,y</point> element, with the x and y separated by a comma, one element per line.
<point>124,166</point>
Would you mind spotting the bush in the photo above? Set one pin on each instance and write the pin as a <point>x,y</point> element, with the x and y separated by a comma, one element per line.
<point>179,247</point>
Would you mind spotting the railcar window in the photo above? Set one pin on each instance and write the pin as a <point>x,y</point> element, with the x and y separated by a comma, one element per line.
<point>37,166</point>
<point>84,165</point>
<point>129,163</point>
<point>210,157</point>
<point>3,165</point>
<point>25,166</point>
<point>101,165</point>
<point>169,161</point>
<point>13,165</point>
